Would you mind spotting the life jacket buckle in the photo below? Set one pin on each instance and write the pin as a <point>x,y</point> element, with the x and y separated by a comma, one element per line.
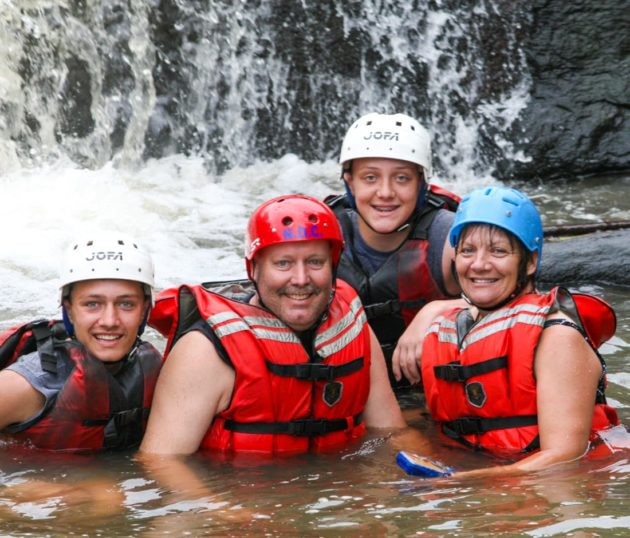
<point>381,309</point>
<point>463,426</point>
<point>314,372</point>
<point>308,427</point>
<point>450,372</point>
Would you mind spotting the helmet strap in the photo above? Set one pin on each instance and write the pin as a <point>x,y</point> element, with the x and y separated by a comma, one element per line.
<point>66,321</point>
<point>145,319</point>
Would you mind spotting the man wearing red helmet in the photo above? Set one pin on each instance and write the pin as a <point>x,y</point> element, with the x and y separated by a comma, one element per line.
<point>283,364</point>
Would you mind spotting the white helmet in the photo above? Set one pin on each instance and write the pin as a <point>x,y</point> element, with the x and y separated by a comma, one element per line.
<point>106,255</point>
<point>392,136</point>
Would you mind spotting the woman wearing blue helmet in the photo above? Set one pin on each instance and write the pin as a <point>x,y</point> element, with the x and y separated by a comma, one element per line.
<point>515,373</point>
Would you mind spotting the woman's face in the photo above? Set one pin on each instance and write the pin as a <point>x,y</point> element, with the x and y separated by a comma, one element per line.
<point>487,262</point>
<point>386,192</point>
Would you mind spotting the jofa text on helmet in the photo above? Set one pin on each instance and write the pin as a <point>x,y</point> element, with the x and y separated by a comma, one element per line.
<point>291,233</point>
<point>102,255</point>
<point>381,135</point>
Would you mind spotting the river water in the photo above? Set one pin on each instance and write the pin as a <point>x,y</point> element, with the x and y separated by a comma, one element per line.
<point>90,90</point>
<point>193,223</point>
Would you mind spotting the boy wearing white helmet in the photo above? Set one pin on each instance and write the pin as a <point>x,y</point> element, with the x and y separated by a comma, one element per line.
<point>86,383</point>
<point>395,226</point>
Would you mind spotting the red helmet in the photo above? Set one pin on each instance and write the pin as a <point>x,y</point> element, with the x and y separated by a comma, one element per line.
<point>288,219</point>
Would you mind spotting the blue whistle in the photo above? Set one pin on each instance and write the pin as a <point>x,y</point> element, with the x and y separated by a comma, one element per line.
<point>416,465</point>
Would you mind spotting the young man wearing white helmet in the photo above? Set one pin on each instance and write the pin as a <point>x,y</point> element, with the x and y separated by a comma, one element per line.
<point>86,383</point>
<point>395,226</point>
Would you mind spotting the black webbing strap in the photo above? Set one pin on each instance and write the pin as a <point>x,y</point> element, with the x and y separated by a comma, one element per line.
<point>305,427</point>
<point>314,371</point>
<point>376,310</point>
<point>43,334</point>
<point>119,420</point>
<point>454,371</point>
<point>393,306</point>
<point>476,425</point>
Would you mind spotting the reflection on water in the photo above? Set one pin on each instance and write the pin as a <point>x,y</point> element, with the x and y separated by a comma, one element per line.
<point>358,492</point>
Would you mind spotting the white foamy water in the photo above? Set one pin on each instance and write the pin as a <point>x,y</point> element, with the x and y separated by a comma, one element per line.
<point>193,223</point>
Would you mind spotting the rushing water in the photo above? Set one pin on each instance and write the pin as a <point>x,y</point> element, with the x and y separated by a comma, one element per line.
<point>87,91</point>
<point>193,223</point>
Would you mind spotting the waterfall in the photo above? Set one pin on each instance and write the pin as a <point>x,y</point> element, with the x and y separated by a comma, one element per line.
<point>239,81</point>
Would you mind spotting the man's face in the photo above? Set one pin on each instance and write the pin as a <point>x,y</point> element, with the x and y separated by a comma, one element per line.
<point>106,315</point>
<point>294,281</point>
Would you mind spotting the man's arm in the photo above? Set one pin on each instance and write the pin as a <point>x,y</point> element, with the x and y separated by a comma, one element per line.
<point>194,385</point>
<point>381,408</point>
<point>19,401</point>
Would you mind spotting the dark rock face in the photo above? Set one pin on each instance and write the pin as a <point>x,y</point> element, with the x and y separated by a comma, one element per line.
<point>589,259</point>
<point>238,82</point>
<point>578,119</point>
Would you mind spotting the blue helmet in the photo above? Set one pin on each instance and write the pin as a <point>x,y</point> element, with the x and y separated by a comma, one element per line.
<point>505,208</point>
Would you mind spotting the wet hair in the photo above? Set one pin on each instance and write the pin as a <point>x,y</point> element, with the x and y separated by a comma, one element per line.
<point>525,257</point>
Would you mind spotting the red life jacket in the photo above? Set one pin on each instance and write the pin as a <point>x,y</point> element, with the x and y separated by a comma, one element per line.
<point>393,295</point>
<point>94,409</point>
<point>285,400</point>
<point>479,380</point>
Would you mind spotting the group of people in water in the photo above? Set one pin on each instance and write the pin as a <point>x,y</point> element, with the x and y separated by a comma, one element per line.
<point>394,293</point>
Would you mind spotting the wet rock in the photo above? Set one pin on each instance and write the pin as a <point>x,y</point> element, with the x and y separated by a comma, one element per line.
<point>578,118</point>
<point>598,258</point>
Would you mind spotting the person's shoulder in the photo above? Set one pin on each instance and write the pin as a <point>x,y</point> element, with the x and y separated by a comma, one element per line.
<point>443,217</point>
<point>194,343</point>
<point>29,363</point>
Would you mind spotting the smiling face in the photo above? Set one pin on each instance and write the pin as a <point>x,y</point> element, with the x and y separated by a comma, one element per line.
<point>106,315</point>
<point>294,281</point>
<point>488,263</point>
<point>386,193</point>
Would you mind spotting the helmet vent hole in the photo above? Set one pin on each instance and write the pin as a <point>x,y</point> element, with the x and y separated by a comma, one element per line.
<point>312,218</point>
<point>399,124</point>
<point>287,221</point>
<point>90,243</point>
<point>369,122</point>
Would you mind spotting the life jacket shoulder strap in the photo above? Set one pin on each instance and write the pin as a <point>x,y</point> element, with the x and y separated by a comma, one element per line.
<point>437,198</point>
<point>442,198</point>
<point>40,335</point>
<point>593,315</point>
